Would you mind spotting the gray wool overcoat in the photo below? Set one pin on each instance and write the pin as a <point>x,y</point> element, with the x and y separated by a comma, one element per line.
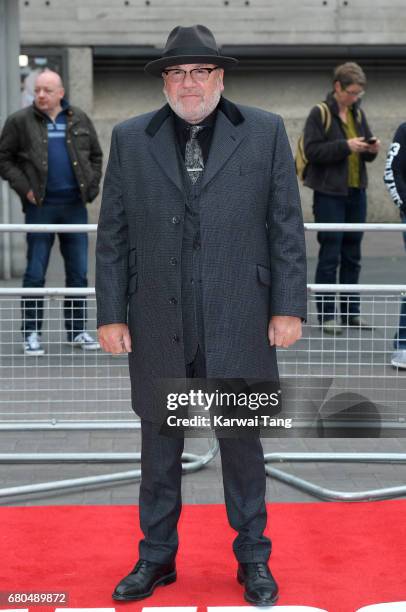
<point>252,246</point>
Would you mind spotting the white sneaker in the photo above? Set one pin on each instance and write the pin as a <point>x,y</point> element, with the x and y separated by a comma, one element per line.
<point>331,327</point>
<point>85,342</point>
<point>32,345</point>
<point>398,359</point>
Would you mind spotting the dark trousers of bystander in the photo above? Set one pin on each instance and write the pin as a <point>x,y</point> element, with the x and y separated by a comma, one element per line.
<point>73,247</point>
<point>339,251</point>
<point>400,338</point>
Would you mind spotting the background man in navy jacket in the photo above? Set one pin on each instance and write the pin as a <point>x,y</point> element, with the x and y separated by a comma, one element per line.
<point>50,155</point>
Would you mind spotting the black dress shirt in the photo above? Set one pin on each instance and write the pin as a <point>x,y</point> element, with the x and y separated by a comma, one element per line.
<point>182,129</point>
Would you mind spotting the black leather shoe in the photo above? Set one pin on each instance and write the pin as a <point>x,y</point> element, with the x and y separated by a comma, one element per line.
<point>141,582</point>
<point>260,586</point>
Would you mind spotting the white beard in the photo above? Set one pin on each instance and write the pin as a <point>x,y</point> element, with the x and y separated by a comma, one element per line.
<point>202,111</point>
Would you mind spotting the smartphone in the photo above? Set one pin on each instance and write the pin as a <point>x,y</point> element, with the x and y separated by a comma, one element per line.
<point>372,140</point>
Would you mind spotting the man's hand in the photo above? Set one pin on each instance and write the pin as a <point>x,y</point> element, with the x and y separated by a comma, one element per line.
<point>31,197</point>
<point>284,331</point>
<point>115,338</point>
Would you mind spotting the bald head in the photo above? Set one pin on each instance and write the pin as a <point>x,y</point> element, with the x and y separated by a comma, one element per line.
<point>49,78</point>
<point>49,92</point>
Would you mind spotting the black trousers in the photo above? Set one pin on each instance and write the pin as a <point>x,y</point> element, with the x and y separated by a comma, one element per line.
<point>339,250</point>
<point>160,502</point>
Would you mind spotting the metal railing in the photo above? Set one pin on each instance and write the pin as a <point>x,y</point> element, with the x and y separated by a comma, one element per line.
<point>68,385</point>
<point>92,227</point>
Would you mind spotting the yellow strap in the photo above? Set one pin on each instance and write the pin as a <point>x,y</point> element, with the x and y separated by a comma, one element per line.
<point>325,115</point>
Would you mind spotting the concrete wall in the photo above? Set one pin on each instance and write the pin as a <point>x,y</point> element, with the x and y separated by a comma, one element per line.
<point>80,77</point>
<point>291,93</point>
<point>10,209</point>
<point>114,93</point>
<point>147,22</point>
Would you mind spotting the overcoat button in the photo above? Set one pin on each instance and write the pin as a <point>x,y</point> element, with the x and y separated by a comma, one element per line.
<point>175,338</point>
<point>175,220</point>
<point>173,300</point>
<point>173,261</point>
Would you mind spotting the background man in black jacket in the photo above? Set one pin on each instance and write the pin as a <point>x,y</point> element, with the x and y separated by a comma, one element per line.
<point>337,149</point>
<point>50,155</point>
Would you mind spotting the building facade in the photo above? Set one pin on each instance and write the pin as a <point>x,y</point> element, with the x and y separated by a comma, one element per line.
<point>287,52</point>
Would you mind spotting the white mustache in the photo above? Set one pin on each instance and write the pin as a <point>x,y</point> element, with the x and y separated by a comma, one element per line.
<point>190,93</point>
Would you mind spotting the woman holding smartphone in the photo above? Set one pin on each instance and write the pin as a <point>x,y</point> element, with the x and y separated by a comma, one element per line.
<point>337,143</point>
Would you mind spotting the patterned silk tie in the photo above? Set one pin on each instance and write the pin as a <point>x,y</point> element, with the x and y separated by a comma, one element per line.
<point>193,154</point>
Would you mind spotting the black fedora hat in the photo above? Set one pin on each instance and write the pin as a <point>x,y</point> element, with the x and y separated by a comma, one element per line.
<point>190,45</point>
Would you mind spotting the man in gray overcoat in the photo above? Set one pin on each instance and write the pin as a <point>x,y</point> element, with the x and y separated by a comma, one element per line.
<point>201,272</point>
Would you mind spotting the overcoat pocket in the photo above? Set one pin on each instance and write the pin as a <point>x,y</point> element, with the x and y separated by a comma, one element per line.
<point>132,258</point>
<point>264,275</point>
<point>132,284</point>
<point>251,167</point>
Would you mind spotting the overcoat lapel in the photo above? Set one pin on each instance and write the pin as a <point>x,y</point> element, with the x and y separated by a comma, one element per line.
<point>226,138</point>
<point>163,148</point>
<point>228,135</point>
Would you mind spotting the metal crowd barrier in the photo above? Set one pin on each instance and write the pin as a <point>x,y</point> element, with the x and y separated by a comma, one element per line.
<point>71,389</point>
<point>68,386</point>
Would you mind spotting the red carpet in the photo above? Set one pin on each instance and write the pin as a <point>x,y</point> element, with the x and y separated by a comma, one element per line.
<point>334,556</point>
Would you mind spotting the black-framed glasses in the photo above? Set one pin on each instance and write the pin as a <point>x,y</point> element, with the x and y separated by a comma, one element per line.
<point>177,75</point>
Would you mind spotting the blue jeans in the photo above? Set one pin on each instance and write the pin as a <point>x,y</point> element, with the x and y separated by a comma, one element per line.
<point>73,248</point>
<point>339,250</point>
<point>400,338</point>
